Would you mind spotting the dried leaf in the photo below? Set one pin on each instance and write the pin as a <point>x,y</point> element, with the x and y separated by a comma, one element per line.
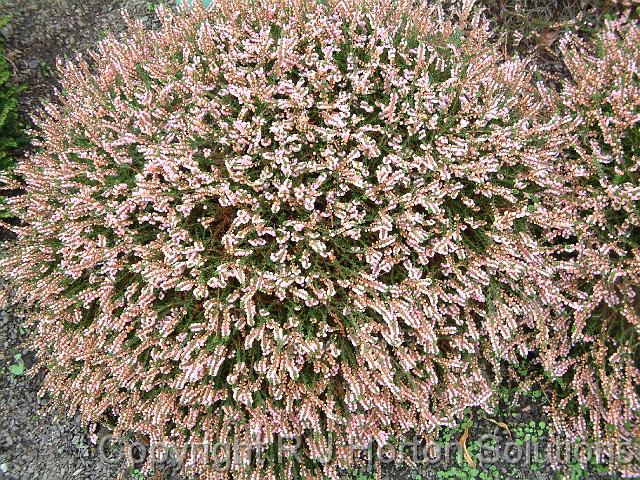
<point>159,475</point>
<point>546,39</point>
<point>502,425</point>
<point>465,452</point>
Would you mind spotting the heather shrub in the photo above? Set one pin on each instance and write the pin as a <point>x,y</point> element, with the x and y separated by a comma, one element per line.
<point>289,218</point>
<point>591,354</point>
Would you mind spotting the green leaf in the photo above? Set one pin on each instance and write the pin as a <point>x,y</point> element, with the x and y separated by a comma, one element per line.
<point>17,369</point>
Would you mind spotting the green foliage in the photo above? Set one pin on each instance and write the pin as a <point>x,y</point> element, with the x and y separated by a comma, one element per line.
<point>11,136</point>
<point>17,368</point>
<point>530,432</point>
<point>135,474</point>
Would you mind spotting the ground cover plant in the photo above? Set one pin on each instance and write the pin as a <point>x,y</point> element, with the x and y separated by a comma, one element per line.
<point>342,221</point>
<point>11,137</point>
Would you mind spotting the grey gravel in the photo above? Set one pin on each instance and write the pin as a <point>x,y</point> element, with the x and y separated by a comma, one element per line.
<point>41,31</point>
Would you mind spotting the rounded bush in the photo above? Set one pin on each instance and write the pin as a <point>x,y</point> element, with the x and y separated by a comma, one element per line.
<point>289,217</point>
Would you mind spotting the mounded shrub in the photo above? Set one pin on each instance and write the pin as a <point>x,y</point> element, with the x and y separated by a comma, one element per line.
<point>323,219</point>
